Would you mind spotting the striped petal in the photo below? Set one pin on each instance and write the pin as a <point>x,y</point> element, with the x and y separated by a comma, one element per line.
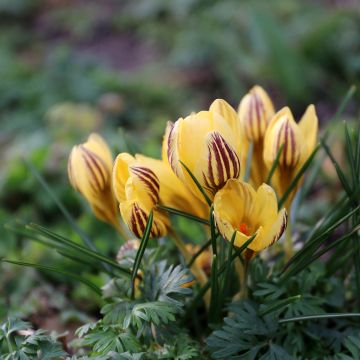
<point>222,162</point>
<point>136,217</point>
<point>255,112</point>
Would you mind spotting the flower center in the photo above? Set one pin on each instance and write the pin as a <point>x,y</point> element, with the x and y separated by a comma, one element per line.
<point>244,229</point>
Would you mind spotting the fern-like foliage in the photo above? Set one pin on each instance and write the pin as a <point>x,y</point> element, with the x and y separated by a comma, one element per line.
<point>246,335</point>
<point>19,342</point>
<point>167,283</point>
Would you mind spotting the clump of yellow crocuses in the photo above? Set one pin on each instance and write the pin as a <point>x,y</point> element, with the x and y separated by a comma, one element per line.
<point>213,145</point>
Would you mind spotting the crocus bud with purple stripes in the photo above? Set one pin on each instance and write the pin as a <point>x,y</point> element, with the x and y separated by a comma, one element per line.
<point>298,141</point>
<point>89,171</point>
<point>255,112</point>
<point>137,189</point>
<point>208,144</point>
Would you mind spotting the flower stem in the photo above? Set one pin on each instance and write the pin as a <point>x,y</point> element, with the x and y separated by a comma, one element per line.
<point>241,266</point>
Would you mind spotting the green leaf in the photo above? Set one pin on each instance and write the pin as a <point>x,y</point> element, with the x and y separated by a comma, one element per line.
<point>60,205</point>
<point>203,192</point>
<point>56,270</point>
<point>298,176</point>
<point>141,251</point>
<point>319,317</point>
<point>274,165</point>
<point>278,305</point>
<point>183,214</point>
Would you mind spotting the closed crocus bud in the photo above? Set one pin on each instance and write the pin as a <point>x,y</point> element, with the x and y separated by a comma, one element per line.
<point>255,112</point>
<point>89,170</point>
<point>298,141</point>
<point>137,189</point>
<point>208,145</point>
<point>239,208</point>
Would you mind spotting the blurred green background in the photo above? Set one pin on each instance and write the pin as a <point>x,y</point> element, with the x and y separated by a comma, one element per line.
<point>124,68</point>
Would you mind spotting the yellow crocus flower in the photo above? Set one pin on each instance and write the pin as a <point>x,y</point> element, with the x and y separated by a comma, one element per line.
<point>299,141</point>
<point>89,171</point>
<point>239,208</point>
<point>208,144</point>
<point>255,112</point>
<point>137,189</point>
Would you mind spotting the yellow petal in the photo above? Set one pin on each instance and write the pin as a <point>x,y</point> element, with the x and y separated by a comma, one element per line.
<point>121,175</point>
<point>173,192</point>
<point>273,233</point>
<point>309,128</point>
<point>266,209</point>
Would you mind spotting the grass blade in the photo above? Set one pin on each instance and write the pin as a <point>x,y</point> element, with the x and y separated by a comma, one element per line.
<point>338,169</point>
<point>199,252</point>
<point>61,206</point>
<point>278,305</point>
<point>298,176</point>
<point>213,231</point>
<point>203,192</point>
<point>319,317</point>
<point>274,165</point>
<point>95,255</point>
<point>183,214</point>
<point>140,252</point>
<point>248,162</point>
<point>55,270</point>
<point>214,284</point>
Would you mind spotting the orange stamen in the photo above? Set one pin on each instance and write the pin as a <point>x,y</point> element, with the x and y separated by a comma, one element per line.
<point>244,229</point>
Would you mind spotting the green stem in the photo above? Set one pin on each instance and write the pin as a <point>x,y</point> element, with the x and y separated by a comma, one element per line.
<point>242,266</point>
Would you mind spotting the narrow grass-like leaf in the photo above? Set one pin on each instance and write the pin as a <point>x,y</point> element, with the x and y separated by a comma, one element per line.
<point>278,305</point>
<point>228,267</point>
<point>319,317</point>
<point>274,165</point>
<point>339,171</point>
<point>183,214</point>
<point>306,261</point>
<point>140,252</point>
<point>357,150</point>
<point>213,231</point>
<point>199,252</point>
<point>95,255</point>
<point>350,153</point>
<point>203,192</point>
<point>248,162</point>
<point>298,176</point>
<point>316,239</point>
<point>60,205</point>
<point>55,270</point>
<point>214,301</point>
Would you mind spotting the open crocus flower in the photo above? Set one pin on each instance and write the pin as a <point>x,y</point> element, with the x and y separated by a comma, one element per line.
<point>299,141</point>
<point>89,171</point>
<point>239,208</point>
<point>137,189</point>
<point>208,144</point>
<point>255,112</point>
